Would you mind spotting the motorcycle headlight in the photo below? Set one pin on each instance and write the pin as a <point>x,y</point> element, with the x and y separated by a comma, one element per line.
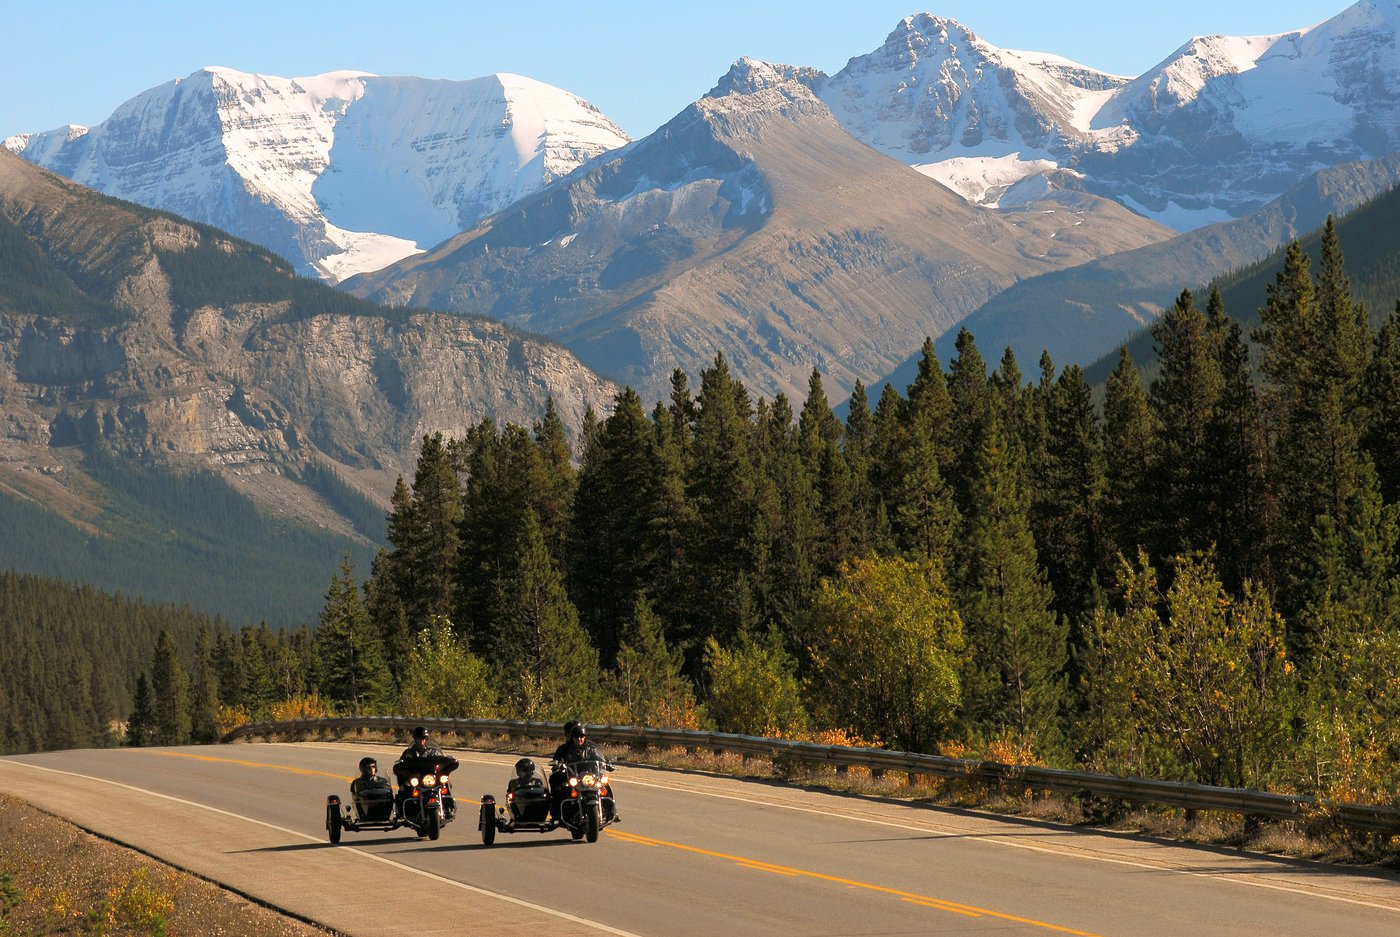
<point>573,782</point>
<point>412,782</point>
<point>604,779</point>
<point>429,780</point>
<point>590,780</point>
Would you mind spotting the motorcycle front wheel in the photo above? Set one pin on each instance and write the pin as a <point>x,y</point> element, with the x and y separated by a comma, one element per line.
<point>333,824</point>
<point>593,822</point>
<point>434,825</point>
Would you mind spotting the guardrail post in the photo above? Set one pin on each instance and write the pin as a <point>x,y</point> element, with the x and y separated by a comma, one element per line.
<point>877,773</point>
<point>842,770</point>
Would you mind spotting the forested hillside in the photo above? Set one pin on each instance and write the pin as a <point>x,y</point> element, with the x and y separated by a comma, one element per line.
<point>1199,583</point>
<point>1371,241</point>
<point>189,539</point>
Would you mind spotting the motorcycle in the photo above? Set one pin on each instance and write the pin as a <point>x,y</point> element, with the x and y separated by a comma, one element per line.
<point>424,804</point>
<point>586,806</point>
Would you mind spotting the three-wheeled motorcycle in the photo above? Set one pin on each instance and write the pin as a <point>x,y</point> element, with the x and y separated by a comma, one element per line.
<point>425,802</point>
<point>585,807</point>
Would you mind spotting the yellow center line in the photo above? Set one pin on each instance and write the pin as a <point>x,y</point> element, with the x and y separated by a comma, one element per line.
<point>742,861</point>
<point>924,900</point>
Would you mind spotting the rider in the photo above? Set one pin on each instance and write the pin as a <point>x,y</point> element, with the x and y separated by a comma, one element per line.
<point>576,747</point>
<point>421,747</point>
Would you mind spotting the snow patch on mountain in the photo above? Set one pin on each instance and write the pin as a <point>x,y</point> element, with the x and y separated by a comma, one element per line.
<point>340,172</point>
<point>982,179</point>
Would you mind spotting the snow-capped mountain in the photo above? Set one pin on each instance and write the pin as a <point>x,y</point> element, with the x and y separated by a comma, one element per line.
<point>340,173</point>
<point>1219,128</point>
<point>751,225</point>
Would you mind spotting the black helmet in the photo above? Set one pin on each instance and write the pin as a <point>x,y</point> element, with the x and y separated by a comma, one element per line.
<point>569,728</point>
<point>419,732</point>
<point>578,730</point>
<point>524,768</point>
<point>366,764</point>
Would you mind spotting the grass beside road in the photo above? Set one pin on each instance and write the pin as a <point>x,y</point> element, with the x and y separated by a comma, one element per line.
<point>56,878</point>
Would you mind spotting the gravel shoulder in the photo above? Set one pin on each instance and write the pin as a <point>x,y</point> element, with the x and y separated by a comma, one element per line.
<point>56,878</point>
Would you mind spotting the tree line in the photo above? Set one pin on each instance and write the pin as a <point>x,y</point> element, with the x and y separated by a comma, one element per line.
<point>1194,580</point>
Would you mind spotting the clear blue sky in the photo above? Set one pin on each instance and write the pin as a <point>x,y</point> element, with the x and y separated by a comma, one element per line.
<point>640,62</point>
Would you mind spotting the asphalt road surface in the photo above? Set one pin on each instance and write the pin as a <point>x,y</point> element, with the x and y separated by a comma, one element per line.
<point>695,855</point>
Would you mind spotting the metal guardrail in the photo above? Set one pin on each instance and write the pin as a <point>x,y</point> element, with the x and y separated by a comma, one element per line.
<point>1368,817</point>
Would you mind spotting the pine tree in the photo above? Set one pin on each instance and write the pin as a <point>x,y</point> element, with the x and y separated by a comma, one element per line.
<point>1017,647</point>
<point>624,509</point>
<point>1237,458</point>
<point>141,724</point>
<point>259,691</point>
<point>721,490</point>
<point>204,695</point>
<point>434,535</point>
<point>1127,445</point>
<point>1184,400</point>
<point>1382,407</point>
<point>349,650</point>
<point>170,691</point>
<point>543,664</point>
<point>971,397</point>
<point>648,681</point>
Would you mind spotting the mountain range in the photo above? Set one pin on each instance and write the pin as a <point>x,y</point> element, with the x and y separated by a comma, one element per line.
<point>152,344</point>
<point>338,173</point>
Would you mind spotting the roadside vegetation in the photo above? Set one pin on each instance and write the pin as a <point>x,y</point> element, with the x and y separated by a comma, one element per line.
<point>57,879</point>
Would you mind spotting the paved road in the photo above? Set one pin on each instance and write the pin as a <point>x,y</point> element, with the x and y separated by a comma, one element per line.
<point>696,855</point>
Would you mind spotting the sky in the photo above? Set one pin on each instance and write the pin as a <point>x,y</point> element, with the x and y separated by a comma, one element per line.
<point>639,61</point>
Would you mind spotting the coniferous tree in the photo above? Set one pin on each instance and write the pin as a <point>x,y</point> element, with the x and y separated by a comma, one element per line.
<point>648,681</point>
<point>1382,407</point>
<point>204,692</point>
<point>434,537</point>
<point>170,692</point>
<point>624,508</point>
<point>543,664</point>
<point>721,489</point>
<point>1017,647</point>
<point>787,537</point>
<point>141,724</point>
<point>1184,400</point>
<point>353,675</point>
<point>1238,456</point>
<point>1129,502</point>
<point>971,396</point>
<point>259,691</point>
<point>1066,513</point>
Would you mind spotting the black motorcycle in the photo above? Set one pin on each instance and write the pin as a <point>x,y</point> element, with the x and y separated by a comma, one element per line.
<point>424,804</point>
<point>586,804</point>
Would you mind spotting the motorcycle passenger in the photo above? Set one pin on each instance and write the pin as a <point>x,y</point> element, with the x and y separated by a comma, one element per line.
<point>525,778</point>
<point>575,748</point>
<point>363,789</point>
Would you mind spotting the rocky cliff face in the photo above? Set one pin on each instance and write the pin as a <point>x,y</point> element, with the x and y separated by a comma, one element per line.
<point>108,353</point>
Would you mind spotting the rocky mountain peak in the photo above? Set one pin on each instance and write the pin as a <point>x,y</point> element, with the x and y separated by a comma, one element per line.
<point>748,75</point>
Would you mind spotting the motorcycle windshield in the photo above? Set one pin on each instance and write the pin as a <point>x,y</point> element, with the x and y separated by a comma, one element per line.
<point>440,765</point>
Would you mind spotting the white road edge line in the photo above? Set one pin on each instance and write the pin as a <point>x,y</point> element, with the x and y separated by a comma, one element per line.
<point>990,839</point>
<point>359,852</point>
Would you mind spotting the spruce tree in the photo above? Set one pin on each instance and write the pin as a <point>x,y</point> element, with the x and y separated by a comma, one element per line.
<point>141,724</point>
<point>1184,399</point>
<point>170,691</point>
<point>721,490</point>
<point>1382,407</point>
<point>1014,679</point>
<point>1129,501</point>
<point>204,694</point>
<point>648,681</point>
<point>543,664</point>
<point>350,653</point>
